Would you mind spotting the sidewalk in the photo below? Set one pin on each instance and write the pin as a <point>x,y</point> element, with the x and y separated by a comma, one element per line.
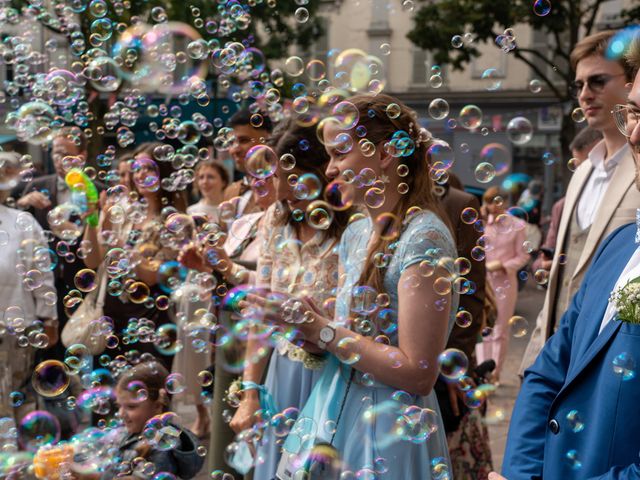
<point>501,403</point>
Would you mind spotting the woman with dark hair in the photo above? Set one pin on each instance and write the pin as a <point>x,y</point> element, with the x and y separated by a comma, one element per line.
<point>298,256</point>
<point>373,412</point>
<point>131,244</point>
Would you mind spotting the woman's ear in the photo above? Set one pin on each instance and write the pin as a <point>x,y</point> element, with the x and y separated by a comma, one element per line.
<point>386,159</point>
<point>163,399</point>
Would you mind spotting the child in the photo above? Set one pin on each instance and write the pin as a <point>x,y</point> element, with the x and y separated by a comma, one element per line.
<point>149,432</point>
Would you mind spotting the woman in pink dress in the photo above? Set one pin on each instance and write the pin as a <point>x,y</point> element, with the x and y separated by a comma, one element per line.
<point>505,255</point>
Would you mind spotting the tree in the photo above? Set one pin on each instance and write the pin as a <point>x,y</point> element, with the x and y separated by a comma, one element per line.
<point>92,28</point>
<point>563,23</point>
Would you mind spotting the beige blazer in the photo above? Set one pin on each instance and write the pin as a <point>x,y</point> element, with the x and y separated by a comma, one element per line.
<point>617,208</point>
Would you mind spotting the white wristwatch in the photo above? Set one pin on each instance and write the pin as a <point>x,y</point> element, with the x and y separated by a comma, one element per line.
<point>327,334</point>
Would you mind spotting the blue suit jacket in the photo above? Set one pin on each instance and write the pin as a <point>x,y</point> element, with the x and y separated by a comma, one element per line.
<point>575,417</point>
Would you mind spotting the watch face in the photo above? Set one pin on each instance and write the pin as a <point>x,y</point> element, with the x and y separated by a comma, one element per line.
<point>327,334</point>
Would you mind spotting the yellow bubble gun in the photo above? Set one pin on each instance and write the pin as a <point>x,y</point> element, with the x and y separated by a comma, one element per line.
<point>78,181</point>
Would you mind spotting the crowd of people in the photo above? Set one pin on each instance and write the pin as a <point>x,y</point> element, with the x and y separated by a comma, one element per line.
<point>341,310</point>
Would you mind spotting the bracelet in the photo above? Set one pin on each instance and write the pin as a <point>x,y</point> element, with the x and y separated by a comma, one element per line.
<point>251,386</point>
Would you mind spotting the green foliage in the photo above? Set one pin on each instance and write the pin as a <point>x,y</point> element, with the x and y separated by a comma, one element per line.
<point>272,27</point>
<point>435,23</point>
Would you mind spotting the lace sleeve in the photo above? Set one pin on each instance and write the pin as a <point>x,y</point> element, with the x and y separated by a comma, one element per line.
<point>425,238</point>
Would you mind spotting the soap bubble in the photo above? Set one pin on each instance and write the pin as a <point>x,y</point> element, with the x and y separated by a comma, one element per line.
<point>498,156</point>
<point>439,109</point>
<point>50,378</point>
<point>624,366</point>
<point>572,456</point>
<point>453,363</point>
<point>261,161</point>
<point>63,87</point>
<point>175,383</point>
<point>548,158</point>
<point>171,275</point>
<point>535,86</point>
<point>85,280</point>
<point>519,130</point>
<point>464,319</point>
<point>16,399</point>
<point>38,428</point>
<point>65,221</point>
<point>167,342</point>
<point>145,174</point>
<point>577,115</point>
<point>470,117</point>
<point>356,70</point>
<point>518,326</point>
<point>339,195</point>
<point>575,421</point>
<point>542,7</point>
<point>301,15</point>
<point>440,156</point>
<point>484,172</point>
<point>33,122</point>
<point>491,78</point>
<point>469,215</point>
<point>163,431</point>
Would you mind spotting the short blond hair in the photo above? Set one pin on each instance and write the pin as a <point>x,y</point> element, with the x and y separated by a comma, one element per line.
<point>633,54</point>
<point>597,44</point>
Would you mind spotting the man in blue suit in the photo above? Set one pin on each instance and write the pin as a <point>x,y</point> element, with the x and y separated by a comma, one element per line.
<point>578,413</point>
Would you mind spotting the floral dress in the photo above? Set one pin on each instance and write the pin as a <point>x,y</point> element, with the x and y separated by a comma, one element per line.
<point>299,269</point>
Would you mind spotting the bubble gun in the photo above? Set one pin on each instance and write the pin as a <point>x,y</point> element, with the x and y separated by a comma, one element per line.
<point>79,182</point>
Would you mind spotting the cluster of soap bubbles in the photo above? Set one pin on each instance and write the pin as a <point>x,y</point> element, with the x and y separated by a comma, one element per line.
<point>507,40</point>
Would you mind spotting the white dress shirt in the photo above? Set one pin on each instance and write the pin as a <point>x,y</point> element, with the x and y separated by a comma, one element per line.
<point>631,271</point>
<point>19,230</point>
<point>599,180</point>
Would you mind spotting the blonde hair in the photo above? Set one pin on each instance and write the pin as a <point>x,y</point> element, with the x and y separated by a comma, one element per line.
<point>633,54</point>
<point>597,44</point>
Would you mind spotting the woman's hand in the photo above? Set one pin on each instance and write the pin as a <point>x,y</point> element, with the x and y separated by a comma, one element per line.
<point>219,260</point>
<point>245,416</point>
<point>286,311</point>
<point>191,257</point>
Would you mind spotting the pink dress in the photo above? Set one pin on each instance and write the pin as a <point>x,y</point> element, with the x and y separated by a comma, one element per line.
<point>505,236</point>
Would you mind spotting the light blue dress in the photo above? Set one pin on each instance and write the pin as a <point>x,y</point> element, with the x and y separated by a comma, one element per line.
<point>378,431</point>
<point>309,269</point>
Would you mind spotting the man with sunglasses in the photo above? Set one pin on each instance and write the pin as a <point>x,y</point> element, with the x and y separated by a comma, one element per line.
<point>576,415</point>
<point>601,196</point>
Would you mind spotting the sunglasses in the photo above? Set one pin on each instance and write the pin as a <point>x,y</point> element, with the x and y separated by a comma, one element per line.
<point>596,83</point>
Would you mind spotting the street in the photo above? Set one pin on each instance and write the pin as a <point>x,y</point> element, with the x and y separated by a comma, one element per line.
<point>501,403</point>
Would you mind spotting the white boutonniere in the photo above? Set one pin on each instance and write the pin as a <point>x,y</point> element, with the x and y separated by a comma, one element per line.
<point>626,299</point>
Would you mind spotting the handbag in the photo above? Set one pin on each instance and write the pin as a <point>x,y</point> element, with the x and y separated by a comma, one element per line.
<point>79,328</point>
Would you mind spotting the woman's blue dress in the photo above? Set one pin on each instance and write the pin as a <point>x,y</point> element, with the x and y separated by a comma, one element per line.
<point>377,430</point>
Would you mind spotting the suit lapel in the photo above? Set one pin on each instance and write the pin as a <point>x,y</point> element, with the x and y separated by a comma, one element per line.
<point>601,340</point>
<point>623,178</point>
<point>611,266</point>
